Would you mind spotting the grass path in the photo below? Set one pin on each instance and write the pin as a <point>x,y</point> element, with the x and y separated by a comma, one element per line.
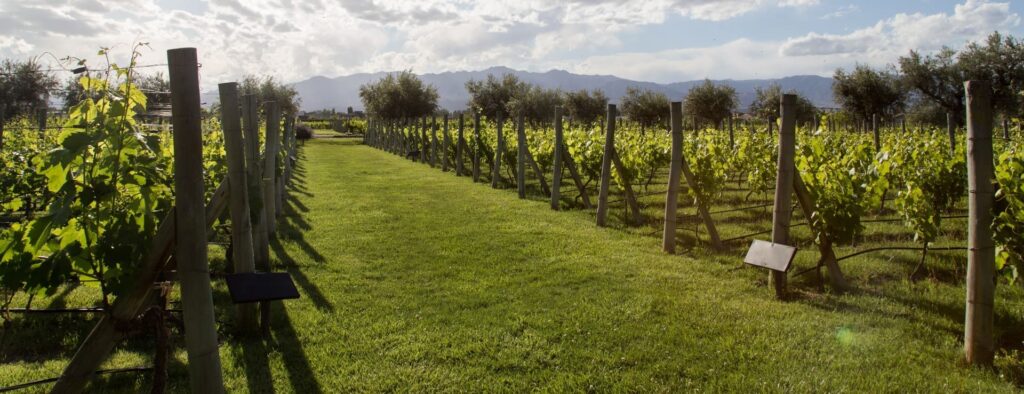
<point>413,278</point>
<point>416,280</point>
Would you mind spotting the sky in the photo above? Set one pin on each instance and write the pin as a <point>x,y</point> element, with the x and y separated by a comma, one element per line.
<point>647,40</point>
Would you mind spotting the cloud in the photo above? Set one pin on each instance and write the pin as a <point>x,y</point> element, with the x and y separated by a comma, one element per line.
<point>971,20</point>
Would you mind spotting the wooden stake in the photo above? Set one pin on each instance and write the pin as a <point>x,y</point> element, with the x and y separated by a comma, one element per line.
<point>784,185</point>
<point>521,158</point>
<point>828,255</point>
<point>668,237</point>
<point>273,111</point>
<point>874,129</point>
<point>606,167</point>
<point>732,136</point>
<point>979,345</point>
<point>190,238</point>
<point>241,227</point>
<point>951,129</point>
<point>447,143</point>
<point>460,144</point>
<point>556,173</point>
<point>424,141</point>
<point>576,178</point>
<point>496,171</point>
<point>258,214</point>
<point>433,141</point>
<point>476,147</point>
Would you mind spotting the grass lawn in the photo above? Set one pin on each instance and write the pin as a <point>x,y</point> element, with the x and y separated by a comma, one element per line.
<point>414,279</point>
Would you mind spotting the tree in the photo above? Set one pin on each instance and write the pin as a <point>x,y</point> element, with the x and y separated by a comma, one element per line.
<point>711,102</point>
<point>492,96</point>
<point>155,87</point>
<point>1000,60</point>
<point>268,89</point>
<point>536,104</point>
<point>937,78</point>
<point>645,106</point>
<point>585,106</point>
<point>400,96</point>
<point>867,92</point>
<point>24,87</point>
<point>767,101</point>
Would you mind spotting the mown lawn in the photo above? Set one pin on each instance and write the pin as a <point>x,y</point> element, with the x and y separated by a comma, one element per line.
<point>416,280</point>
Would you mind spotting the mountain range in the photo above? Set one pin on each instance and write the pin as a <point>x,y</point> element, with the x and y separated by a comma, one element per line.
<point>341,92</point>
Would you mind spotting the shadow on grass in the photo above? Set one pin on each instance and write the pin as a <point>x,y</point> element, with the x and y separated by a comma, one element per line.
<point>296,363</point>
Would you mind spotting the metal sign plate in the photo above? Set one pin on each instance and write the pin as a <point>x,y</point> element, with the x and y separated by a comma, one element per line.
<point>254,287</point>
<point>773,256</point>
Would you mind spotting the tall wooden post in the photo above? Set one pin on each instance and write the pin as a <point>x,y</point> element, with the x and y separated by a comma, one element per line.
<point>874,129</point>
<point>1006,129</point>
<point>732,135</point>
<point>273,130</point>
<point>668,238</point>
<point>460,144</point>
<point>556,172</point>
<point>3,120</point>
<point>41,117</point>
<point>771,126</point>
<point>238,192</point>
<point>258,214</point>
<point>424,141</point>
<point>979,345</point>
<point>190,214</point>
<point>444,147</point>
<point>606,166</point>
<point>521,157</point>
<point>433,141</point>
<point>784,185</point>
<point>279,179</point>
<point>496,171</point>
<point>476,147</point>
<point>951,130</point>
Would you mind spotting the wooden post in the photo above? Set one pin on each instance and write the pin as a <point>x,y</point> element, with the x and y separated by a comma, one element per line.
<point>1006,129</point>
<point>771,126</point>
<point>258,214</point>
<point>270,164</point>
<point>3,119</point>
<point>190,238</point>
<point>979,345</point>
<point>41,117</point>
<point>668,237</point>
<point>576,178</point>
<point>732,135</point>
<point>951,130</point>
<point>606,167</point>
<point>279,179</point>
<point>828,255</point>
<point>521,157</point>
<point>496,171</point>
<point>784,185</point>
<point>241,228</point>
<point>874,129</point>
<point>460,143</point>
<point>556,162</point>
<point>476,148</point>
<point>447,143</point>
<point>433,141</point>
<point>424,140</point>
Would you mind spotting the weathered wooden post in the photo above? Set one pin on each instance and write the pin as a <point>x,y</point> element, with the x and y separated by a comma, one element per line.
<point>447,143</point>
<point>1006,129</point>
<point>874,129</point>
<point>238,192</point>
<point>496,171</point>
<point>521,157</point>
<point>951,130</point>
<point>476,148</point>
<point>258,214</point>
<point>41,118</point>
<point>424,141</point>
<point>556,164</point>
<point>732,135</point>
<point>3,119</point>
<point>433,141</point>
<point>190,217</point>
<point>784,185</point>
<point>273,131</point>
<point>606,167</point>
<point>979,345</point>
<point>668,238</point>
<point>279,183</point>
<point>771,126</point>
<point>460,166</point>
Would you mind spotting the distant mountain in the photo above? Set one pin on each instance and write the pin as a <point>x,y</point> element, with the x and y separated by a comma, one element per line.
<point>341,92</point>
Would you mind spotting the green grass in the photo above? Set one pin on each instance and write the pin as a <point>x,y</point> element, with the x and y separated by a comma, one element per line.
<point>413,279</point>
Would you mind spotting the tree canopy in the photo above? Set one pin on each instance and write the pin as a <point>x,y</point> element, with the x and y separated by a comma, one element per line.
<point>267,88</point>
<point>400,96</point>
<point>24,87</point>
<point>767,101</point>
<point>711,102</point>
<point>645,106</point>
<point>866,92</point>
<point>585,106</point>
<point>492,96</point>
